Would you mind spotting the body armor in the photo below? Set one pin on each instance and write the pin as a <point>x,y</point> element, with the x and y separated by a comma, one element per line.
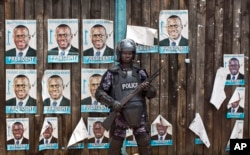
<point>125,82</point>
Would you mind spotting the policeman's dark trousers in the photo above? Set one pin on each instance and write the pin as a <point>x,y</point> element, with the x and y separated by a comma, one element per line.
<point>143,142</point>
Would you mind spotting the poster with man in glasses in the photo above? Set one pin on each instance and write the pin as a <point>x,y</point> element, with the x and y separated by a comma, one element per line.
<point>21,87</point>
<point>56,91</point>
<point>173,31</point>
<point>20,42</point>
<point>63,41</point>
<point>98,42</point>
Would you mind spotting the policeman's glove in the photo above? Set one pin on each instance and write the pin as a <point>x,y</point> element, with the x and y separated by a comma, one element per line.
<point>145,86</point>
<point>117,106</point>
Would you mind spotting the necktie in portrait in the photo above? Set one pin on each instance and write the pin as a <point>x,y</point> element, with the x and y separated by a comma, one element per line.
<point>173,43</point>
<point>20,103</point>
<point>62,53</point>
<point>17,142</point>
<point>98,53</point>
<point>54,103</point>
<point>20,53</point>
<point>95,102</point>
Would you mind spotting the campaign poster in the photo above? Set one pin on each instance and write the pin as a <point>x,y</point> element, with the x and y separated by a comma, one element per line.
<point>56,91</point>
<point>236,104</point>
<point>98,41</point>
<point>91,79</point>
<point>237,132</point>
<point>130,138</point>
<point>173,32</point>
<point>48,138</point>
<point>79,134</point>
<point>17,130</point>
<point>98,137</point>
<point>161,132</point>
<point>63,44</point>
<point>21,86</point>
<point>235,65</point>
<point>20,42</point>
<point>146,38</point>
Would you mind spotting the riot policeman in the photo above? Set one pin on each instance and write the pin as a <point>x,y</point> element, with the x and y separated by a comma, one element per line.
<point>117,82</point>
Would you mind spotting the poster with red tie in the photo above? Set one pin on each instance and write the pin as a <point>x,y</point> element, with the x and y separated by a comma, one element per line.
<point>235,65</point>
<point>90,80</point>
<point>21,86</point>
<point>173,31</point>
<point>20,42</point>
<point>17,133</point>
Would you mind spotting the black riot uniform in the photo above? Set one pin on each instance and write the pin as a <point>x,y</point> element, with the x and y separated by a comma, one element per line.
<point>118,82</point>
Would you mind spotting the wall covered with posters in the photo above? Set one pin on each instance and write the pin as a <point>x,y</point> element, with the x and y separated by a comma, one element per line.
<point>54,52</point>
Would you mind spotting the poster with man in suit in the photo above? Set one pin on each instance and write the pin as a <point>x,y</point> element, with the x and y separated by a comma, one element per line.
<point>21,91</point>
<point>235,65</point>
<point>91,79</point>
<point>63,45</point>
<point>56,91</point>
<point>20,43</point>
<point>173,31</point>
<point>17,133</point>
<point>98,42</point>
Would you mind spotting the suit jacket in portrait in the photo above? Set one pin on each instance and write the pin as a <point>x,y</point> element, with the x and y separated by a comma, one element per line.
<point>53,140</point>
<point>166,42</point>
<point>86,101</point>
<point>24,141</point>
<point>30,102</point>
<point>12,52</point>
<point>167,137</point>
<point>72,51</point>
<point>107,52</point>
<point>104,140</point>
<point>239,110</point>
<point>64,102</point>
<point>240,77</point>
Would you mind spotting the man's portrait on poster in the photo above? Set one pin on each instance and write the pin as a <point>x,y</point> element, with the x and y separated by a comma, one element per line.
<point>21,88</point>
<point>174,32</point>
<point>55,87</point>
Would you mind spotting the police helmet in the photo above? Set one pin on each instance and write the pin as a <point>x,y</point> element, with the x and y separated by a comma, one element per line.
<point>125,45</point>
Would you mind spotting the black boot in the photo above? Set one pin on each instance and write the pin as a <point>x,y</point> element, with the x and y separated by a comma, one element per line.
<point>143,142</point>
<point>115,146</point>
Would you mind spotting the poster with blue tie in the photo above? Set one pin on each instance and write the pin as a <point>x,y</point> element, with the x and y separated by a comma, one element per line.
<point>63,44</point>
<point>90,80</point>
<point>173,31</point>
<point>235,65</point>
<point>21,86</point>
<point>236,104</point>
<point>161,132</point>
<point>17,130</point>
<point>20,42</point>
<point>98,41</point>
<point>98,137</point>
<point>56,92</point>
<point>48,138</point>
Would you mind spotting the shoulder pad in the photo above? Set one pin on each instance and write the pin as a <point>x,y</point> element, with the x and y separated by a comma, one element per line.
<point>136,66</point>
<point>114,68</point>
